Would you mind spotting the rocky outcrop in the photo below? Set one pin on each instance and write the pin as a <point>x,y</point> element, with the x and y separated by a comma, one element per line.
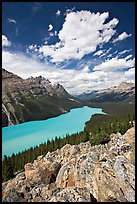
<point>32,99</point>
<point>79,173</point>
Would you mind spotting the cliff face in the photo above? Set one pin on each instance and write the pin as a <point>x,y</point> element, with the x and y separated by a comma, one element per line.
<point>74,173</point>
<point>32,99</point>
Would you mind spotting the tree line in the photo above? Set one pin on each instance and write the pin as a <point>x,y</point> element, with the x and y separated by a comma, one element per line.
<point>97,134</point>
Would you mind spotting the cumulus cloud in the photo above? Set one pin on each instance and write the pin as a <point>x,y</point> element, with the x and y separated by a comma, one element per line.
<point>50,27</point>
<point>25,67</point>
<point>130,74</point>
<point>32,48</point>
<point>115,64</point>
<point>5,41</point>
<point>89,76</point>
<point>20,64</point>
<point>122,36</point>
<point>74,81</point>
<point>58,13</point>
<point>75,45</point>
<point>11,20</point>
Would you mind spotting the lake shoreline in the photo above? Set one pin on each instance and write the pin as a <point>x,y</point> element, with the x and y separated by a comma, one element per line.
<point>74,123</point>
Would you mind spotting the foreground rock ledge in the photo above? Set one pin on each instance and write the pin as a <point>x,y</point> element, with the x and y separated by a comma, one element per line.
<point>79,173</point>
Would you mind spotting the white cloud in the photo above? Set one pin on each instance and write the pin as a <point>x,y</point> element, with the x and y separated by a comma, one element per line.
<point>55,32</point>
<point>20,64</point>
<point>86,69</point>
<point>32,47</point>
<point>130,74</point>
<point>122,36</point>
<point>74,81</point>
<point>83,80</point>
<point>110,55</point>
<point>58,13</point>
<point>128,57</point>
<point>5,41</point>
<point>115,64</point>
<point>116,52</point>
<point>75,45</point>
<point>50,27</point>
<point>105,52</point>
<point>45,42</point>
<point>51,34</point>
<point>10,20</point>
<point>69,10</point>
<point>98,52</point>
<point>108,50</point>
<point>124,51</point>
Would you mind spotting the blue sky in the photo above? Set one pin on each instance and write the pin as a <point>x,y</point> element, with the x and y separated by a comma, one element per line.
<point>82,45</point>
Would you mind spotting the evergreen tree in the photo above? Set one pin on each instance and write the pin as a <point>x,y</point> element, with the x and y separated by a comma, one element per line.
<point>7,169</point>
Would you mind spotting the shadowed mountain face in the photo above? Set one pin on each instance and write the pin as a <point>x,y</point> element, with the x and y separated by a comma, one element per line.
<point>32,99</point>
<point>125,92</point>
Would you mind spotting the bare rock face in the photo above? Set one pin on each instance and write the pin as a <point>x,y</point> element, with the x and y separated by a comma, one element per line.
<point>124,86</point>
<point>32,99</point>
<point>73,194</point>
<point>79,173</point>
<point>66,175</point>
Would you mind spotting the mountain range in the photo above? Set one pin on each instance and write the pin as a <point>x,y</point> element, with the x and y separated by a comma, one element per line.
<point>124,92</point>
<point>36,98</point>
<point>33,99</point>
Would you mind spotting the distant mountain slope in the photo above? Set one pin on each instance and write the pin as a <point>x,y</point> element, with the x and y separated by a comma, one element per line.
<point>124,92</point>
<point>32,99</point>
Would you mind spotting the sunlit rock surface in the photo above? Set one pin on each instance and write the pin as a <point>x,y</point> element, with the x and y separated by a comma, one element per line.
<point>79,173</point>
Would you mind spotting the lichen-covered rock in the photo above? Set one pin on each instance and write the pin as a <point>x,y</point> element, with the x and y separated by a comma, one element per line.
<point>72,194</point>
<point>79,173</point>
<point>66,175</point>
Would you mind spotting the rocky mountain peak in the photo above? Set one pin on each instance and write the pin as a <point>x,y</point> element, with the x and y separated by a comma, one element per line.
<point>34,98</point>
<point>38,79</point>
<point>9,75</point>
<point>60,89</point>
<point>125,86</point>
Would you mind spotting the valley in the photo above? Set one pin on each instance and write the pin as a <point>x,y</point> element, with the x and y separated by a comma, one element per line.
<point>33,99</point>
<point>68,102</point>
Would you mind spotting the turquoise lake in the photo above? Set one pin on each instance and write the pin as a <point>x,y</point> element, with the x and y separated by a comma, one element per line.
<point>23,136</point>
